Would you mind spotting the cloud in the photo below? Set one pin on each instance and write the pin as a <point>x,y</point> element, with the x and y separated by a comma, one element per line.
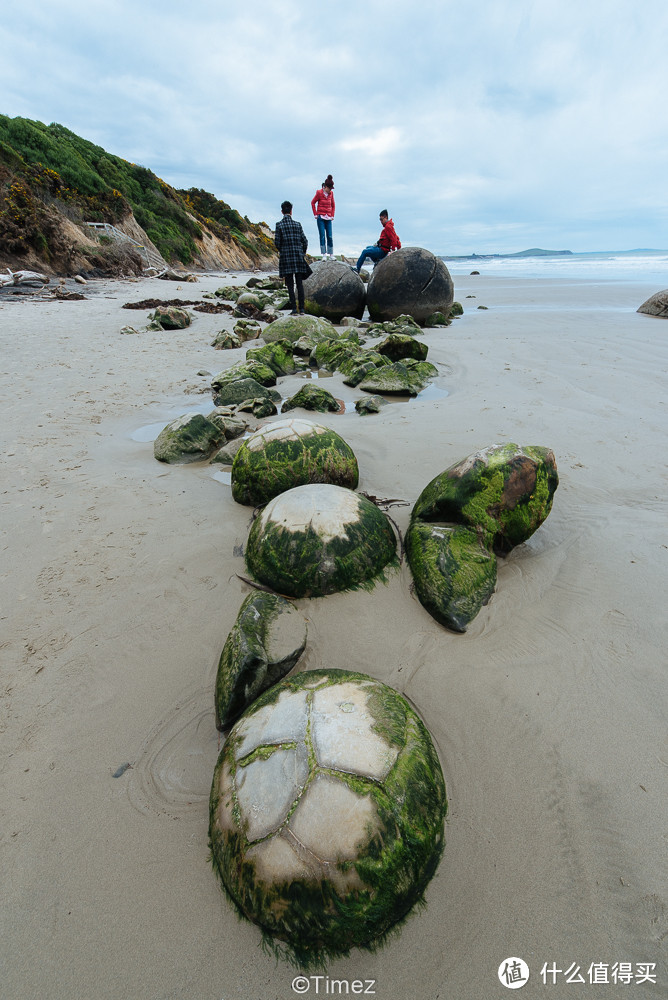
<point>529,122</point>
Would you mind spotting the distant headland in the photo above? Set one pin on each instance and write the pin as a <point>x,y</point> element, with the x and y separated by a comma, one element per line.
<point>534,252</point>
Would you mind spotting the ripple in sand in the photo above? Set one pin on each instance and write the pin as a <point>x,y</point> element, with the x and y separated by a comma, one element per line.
<point>172,776</point>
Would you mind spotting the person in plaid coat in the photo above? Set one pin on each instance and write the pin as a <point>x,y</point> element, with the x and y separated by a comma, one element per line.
<point>291,244</point>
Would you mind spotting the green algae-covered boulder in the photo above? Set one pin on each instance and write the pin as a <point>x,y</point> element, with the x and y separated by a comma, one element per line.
<point>238,391</point>
<point>312,397</point>
<point>264,645</point>
<point>407,376</point>
<point>334,290</point>
<point>504,492</point>
<point>317,540</point>
<point>251,368</point>
<point>454,573</point>
<point>437,319</point>
<point>189,438</point>
<point>171,318</point>
<point>293,327</point>
<point>289,453</point>
<point>329,354</point>
<point>398,346</point>
<point>277,356</point>
<point>327,813</point>
<point>370,404</point>
<point>411,280</point>
<point>229,292</point>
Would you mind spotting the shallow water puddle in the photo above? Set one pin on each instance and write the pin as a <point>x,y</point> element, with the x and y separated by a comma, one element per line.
<point>222,476</point>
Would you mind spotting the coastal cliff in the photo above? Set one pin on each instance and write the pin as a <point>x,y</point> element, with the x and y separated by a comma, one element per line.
<point>54,185</point>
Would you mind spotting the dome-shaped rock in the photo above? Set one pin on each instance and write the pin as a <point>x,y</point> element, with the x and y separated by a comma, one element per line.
<point>289,453</point>
<point>407,376</point>
<point>334,290</point>
<point>413,281</point>
<point>312,397</point>
<point>327,812</point>
<point>656,305</point>
<point>317,540</point>
<point>189,438</point>
<point>293,327</point>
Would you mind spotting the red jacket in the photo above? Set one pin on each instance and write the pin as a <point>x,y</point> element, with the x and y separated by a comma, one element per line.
<point>324,202</point>
<point>388,238</point>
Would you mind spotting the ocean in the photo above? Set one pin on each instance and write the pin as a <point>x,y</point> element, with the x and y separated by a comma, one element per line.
<point>624,265</point>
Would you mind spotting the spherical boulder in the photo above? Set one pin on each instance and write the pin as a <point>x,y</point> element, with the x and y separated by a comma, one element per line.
<point>289,453</point>
<point>317,540</point>
<point>334,290</point>
<point>327,813</point>
<point>413,281</point>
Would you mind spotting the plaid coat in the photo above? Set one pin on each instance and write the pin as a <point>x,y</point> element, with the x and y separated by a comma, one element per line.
<point>291,244</point>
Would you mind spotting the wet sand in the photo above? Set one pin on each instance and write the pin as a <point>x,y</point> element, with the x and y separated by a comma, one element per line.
<point>119,584</point>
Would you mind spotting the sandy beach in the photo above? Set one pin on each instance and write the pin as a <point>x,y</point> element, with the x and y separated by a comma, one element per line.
<point>120,582</point>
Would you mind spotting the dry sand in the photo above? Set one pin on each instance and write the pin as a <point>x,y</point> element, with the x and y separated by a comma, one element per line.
<point>119,587</point>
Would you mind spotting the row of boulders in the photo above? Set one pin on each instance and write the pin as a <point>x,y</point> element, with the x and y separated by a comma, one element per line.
<point>411,280</point>
<point>395,365</point>
<point>328,801</point>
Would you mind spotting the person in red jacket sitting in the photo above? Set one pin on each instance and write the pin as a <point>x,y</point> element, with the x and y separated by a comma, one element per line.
<point>323,209</point>
<point>387,242</point>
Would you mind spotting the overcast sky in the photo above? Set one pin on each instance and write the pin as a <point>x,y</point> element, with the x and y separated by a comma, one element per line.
<point>496,125</point>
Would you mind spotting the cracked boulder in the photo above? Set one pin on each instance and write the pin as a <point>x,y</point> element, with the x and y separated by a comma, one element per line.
<point>477,509</point>
<point>334,290</point>
<point>263,646</point>
<point>326,814</point>
<point>412,281</point>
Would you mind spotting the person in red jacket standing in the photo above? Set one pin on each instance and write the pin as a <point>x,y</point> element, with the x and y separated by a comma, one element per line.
<point>387,242</point>
<point>323,209</point>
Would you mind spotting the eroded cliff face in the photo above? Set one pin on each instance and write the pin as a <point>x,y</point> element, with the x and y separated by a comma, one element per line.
<point>214,253</point>
<point>75,247</point>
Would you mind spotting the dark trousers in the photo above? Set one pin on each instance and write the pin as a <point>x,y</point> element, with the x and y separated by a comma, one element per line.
<point>290,282</point>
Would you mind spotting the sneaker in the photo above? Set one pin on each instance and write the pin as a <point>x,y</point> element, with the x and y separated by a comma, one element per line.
<point>302,313</point>
<point>294,312</point>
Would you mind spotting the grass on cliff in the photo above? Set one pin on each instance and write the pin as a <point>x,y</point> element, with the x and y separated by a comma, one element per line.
<point>47,167</point>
